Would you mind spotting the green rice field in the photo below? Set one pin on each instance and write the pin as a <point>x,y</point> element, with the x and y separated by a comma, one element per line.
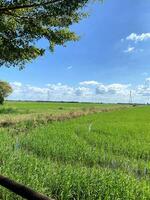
<point>76,151</point>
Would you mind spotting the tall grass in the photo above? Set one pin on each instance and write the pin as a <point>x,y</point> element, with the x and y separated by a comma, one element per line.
<point>67,160</point>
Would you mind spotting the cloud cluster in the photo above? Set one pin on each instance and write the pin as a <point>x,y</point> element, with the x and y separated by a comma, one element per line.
<point>144,89</point>
<point>52,92</point>
<point>85,91</point>
<point>89,83</point>
<point>134,37</point>
<point>138,38</point>
<point>113,89</point>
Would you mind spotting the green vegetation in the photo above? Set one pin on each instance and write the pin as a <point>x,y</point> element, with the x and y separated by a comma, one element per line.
<point>23,23</point>
<point>53,108</point>
<point>14,112</point>
<point>100,156</point>
<point>5,91</point>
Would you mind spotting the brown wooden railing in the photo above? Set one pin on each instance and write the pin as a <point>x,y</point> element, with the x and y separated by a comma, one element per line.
<point>21,189</point>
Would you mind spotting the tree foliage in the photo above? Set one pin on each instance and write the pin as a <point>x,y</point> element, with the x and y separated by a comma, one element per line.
<point>24,22</point>
<point>5,90</point>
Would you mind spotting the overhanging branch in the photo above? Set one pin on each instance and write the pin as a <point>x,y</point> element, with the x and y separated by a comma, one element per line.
<point>27,6</point>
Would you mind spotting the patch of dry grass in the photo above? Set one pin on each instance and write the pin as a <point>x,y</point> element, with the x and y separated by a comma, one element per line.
<point>36,119</point>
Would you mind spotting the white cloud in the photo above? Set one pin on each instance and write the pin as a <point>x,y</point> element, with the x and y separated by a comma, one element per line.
<point>129,50</point>
<point>89,83</point>
<point>82,91</point>
<point>16,84</point>
<point>108,93</point>
<point>138,38</point>
<point>53,92</point>
<point>112,89</point>
<point>143,90</point>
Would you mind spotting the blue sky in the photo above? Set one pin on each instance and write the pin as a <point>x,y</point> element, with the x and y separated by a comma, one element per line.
<point>113,51</point>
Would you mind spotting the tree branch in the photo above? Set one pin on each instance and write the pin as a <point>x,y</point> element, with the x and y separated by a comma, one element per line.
<point>4,9</point>
<point>21,190</point>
